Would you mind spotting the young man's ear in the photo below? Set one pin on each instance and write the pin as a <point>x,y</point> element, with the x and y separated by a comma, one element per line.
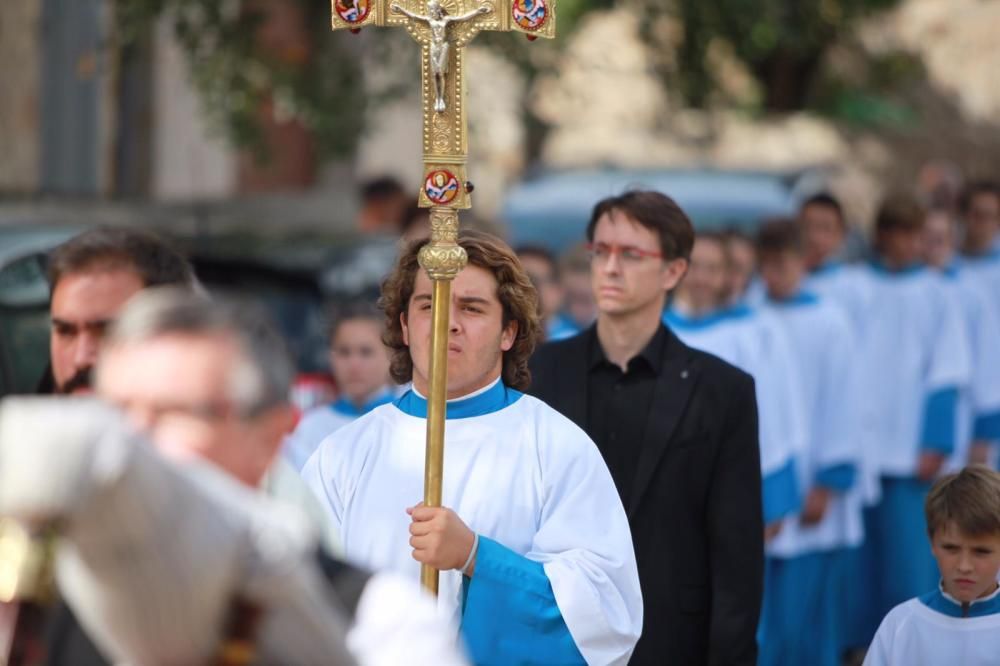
<point>673,272</point>
<point>406,330</point>
<point>508,335</point>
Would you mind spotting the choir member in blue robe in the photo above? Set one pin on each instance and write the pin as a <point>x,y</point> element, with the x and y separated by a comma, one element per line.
<point>979,405</point>
<point>802,617</point>
<point>543,269</point>
<point>958,621</point>
<point>754,342</point>
<point>980,211</point>
<point>914,363</point>
<point>532,541</point>
<point>824,230</point>
<point>360,365</point>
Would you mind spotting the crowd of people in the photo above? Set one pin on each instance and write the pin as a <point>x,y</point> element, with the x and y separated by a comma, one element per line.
<point>667,446</point>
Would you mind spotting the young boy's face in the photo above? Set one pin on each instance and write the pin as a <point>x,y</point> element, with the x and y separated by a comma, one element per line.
<point>782,273</point>
<point>969,565</point>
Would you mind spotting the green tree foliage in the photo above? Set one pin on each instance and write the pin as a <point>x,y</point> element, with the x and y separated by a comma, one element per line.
<point>237,74</point>
<point>781,42</point>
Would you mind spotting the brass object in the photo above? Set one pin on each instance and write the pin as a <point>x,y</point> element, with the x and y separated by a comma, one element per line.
<point>26,563</point>
<point>443,28</point>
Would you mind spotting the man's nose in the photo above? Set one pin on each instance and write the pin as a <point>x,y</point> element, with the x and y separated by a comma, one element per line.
<point>87,346</point>
<point>612,264</point>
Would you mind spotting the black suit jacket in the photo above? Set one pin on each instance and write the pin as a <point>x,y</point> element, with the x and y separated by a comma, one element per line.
<point>694,506</point>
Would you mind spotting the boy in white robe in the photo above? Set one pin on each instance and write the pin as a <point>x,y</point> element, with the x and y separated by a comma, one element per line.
<point>360,366</point>
<point>824,232</point>
<point>959,621</point>
<point>754,342</point>
<point>914,363</point>
<point>802,620</point>
<point>979,405</point>
<point>980,211</point>
<point>532,542</point>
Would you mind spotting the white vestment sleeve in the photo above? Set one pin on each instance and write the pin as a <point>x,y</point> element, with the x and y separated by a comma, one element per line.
<point>585,544</point>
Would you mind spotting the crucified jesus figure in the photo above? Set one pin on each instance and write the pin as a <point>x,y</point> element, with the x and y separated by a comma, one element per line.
<point>438,21</point>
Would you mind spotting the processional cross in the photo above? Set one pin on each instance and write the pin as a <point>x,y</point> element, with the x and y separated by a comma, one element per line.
<point>443,31</point>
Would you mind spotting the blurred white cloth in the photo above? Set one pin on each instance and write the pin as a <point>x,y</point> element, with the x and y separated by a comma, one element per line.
<point>154,555</point>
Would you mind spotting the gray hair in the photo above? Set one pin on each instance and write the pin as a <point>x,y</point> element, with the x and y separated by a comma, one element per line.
<point>263,377</point>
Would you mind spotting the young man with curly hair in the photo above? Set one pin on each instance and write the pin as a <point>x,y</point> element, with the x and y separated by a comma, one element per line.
<point>532,540</point>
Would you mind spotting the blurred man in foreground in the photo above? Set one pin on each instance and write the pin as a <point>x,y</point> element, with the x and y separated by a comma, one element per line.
<point>221,395</point>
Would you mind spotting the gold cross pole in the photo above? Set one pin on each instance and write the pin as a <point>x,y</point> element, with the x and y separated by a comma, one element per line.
<point>443,28</point>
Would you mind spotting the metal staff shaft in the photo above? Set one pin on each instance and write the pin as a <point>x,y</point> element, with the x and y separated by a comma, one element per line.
<point>434,459</point>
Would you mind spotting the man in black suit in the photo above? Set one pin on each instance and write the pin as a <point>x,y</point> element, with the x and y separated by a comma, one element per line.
<point>678,430</point>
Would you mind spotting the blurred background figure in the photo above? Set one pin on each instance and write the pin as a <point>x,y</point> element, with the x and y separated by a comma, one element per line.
<point>360,365</point>
<point>742,282</point>
<point>416,224</point>
<point>578,296</point>
<point>979,406</point>
<point>754,341</point>
<point>915,363</point>
<point>384,202</point>
<point>541,266</point>
<point>91,278</point>
<point>223,375</point>
<point>939,185</point>
<point>803,616</point>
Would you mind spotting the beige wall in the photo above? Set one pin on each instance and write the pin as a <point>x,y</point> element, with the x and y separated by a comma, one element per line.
<point>19,94</point>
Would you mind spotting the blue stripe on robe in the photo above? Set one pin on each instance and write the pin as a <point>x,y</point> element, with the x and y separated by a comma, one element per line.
<point>780,493</point>
<point>987,427</point>
<point>510,614</point>
<point>837,477</point>
<point>979,608</point>
<point>939,421</point>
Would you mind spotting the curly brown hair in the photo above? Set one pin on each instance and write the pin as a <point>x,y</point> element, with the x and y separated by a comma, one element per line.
<point>514,290</point>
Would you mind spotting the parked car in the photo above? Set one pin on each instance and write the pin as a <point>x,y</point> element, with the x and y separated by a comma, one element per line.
<point>552,208</point>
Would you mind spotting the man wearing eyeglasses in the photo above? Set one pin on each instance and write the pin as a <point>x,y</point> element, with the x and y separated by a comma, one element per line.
<point>678,430</point>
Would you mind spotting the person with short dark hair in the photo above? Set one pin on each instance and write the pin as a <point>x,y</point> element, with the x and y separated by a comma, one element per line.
<point>802,618</point>
<point>979,406</point>
<point>543,269</point>
<point>360,366</point>
<point>531,540</point>
<point>958,622</point>
<point>384,202</point>
<point>979,208</point>
<point>741,260</point>
<point>914,363</point>
<point>824,233</point>
<point>678,431</point>
<point>91,276</point>
<point>753,340</point>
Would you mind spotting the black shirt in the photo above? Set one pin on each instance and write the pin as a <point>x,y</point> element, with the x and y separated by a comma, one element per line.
<point>618,405</point>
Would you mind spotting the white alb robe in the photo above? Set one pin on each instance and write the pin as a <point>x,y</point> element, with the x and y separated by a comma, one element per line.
<point>517,473</point>
<point>822,344</point>
<point>915,349</point>
<point>931,631</point>
<point>754,341</point>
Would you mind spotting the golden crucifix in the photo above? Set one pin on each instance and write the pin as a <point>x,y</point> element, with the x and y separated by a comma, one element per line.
<point>443,28</point>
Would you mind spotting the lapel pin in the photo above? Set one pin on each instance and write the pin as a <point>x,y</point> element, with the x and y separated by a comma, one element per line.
<point>684,374</point>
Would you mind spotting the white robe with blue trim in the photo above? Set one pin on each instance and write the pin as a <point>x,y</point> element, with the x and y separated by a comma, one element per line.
<point>978,412</point>
<point>823,349</point>
<point>537,491</point>
<point>846,285</point>
<point>931,631</point>
<point>754,341</point>
<point>914,350</point>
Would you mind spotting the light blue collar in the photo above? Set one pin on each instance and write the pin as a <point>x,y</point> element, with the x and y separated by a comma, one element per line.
<point>828,267</point>
<point>491,399</point>
<point>675,319</point>
<point>944,603</point>
<point>801,298</point>
<point>348,408</point>
<point>912,269</point>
